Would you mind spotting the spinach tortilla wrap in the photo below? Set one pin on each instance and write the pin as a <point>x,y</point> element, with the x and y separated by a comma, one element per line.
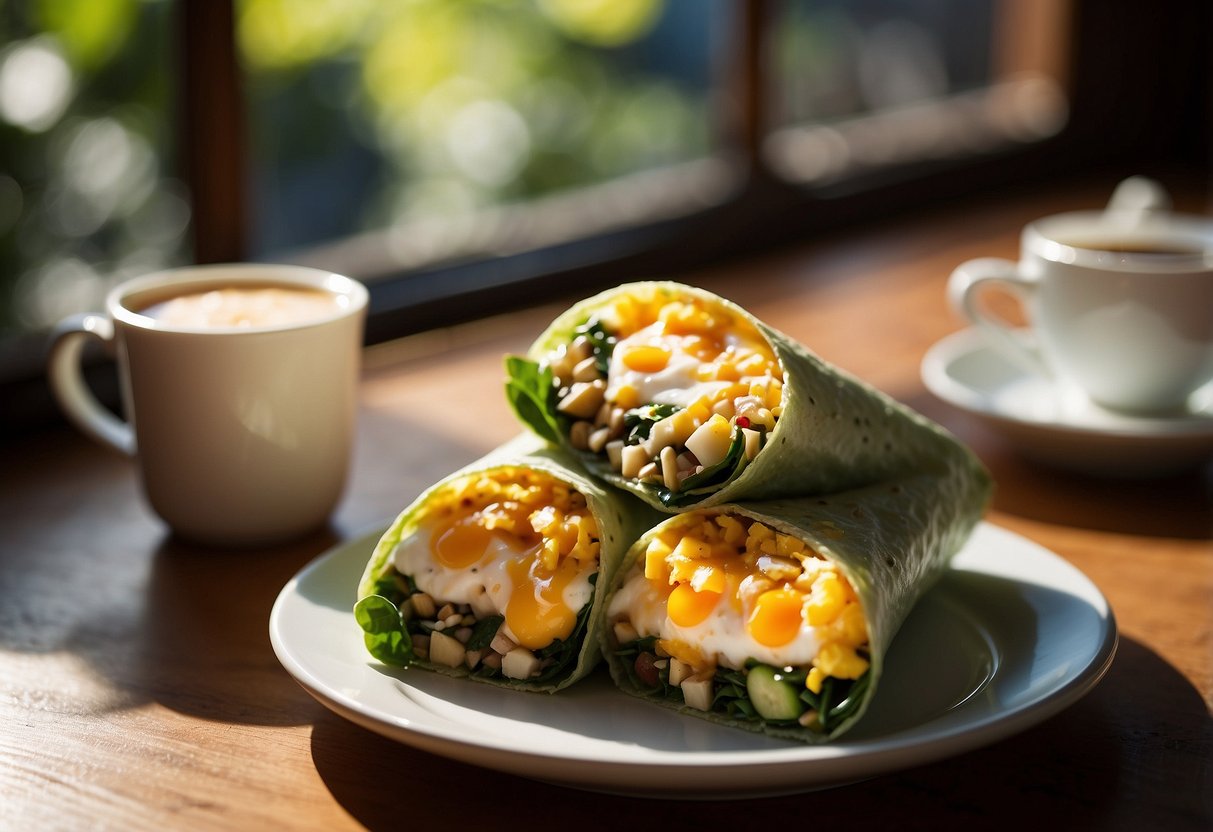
<point>688,401</point>
<point>498,571</point>
<point>776,616</point>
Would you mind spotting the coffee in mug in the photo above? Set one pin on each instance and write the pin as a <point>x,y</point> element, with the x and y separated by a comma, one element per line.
<point>243,307</point>
<point>239,386</point>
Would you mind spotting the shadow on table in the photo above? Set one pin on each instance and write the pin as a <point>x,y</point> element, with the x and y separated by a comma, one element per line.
<point>1179,505</point>
<point>205,647</point>
<point>204,639</point>
<point>1132,754</point>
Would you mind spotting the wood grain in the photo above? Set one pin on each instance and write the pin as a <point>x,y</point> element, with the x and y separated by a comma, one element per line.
<point>138,689</point>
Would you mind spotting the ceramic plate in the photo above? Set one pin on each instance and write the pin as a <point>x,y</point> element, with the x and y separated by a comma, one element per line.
<point>1059,426</point>
<point>1010,636</point>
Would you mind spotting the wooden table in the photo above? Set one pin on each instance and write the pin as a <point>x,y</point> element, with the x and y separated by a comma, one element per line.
<point>138,688</point>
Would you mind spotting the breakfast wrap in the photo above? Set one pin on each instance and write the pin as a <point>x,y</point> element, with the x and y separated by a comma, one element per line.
<point>776,616</point>
<point>688,401</point>
<point>497,572</point>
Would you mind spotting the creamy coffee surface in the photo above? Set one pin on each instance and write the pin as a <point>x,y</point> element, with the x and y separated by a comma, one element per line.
<point>244,307</point>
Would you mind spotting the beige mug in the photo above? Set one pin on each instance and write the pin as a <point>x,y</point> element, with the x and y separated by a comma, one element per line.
<point>239,386</point>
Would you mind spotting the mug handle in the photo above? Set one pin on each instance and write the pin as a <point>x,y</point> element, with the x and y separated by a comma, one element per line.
<point>67,382</point>
<point>965,285</point>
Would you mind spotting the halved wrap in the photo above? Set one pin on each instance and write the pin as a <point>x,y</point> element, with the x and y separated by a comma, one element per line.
<point>498,571</point>
<point>776,616</point>
<point>689,401</point>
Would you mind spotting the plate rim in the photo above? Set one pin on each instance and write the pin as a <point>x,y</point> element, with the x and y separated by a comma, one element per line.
<point>795,764</point>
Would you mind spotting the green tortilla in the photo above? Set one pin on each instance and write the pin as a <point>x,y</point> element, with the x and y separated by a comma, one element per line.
<point>891,541</point>
<point>620,518</point>
<point>835,433</point>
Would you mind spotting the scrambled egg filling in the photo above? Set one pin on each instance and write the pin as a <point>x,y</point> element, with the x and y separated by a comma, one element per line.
<point>712,374</point>
<point>723,589</point>
<point>513,542</point>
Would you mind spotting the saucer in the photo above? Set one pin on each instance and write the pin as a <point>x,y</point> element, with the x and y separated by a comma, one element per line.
<point>1058,426</point>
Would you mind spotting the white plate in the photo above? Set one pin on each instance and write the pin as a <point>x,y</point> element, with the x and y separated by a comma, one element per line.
<point>1009,637</point>
<point>1061,427</point>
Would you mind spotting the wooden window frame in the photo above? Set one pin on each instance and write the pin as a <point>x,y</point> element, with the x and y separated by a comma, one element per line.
<point>1101,38</point>
<point>1137,80</point>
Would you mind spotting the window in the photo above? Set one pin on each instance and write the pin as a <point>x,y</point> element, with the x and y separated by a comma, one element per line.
<point>863,88</point>
<point>463,156</point>
<point>434,131</point>
<point>88,196</point>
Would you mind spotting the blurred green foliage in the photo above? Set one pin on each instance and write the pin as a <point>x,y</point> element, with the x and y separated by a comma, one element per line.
<point>86,150</point>
<point>363,114</point>
<point>459,105</point>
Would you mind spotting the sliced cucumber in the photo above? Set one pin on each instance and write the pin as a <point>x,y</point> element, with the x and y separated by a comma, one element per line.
<point>772,698</point>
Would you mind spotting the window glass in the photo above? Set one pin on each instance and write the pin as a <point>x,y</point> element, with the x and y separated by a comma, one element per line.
<point>863,85</point>
<point>86,195</point>
<point>444,129</point>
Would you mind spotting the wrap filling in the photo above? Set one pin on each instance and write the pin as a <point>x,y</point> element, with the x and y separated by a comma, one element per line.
<point>497,576</point>
<point>727,615</point>
<point>670,390</point>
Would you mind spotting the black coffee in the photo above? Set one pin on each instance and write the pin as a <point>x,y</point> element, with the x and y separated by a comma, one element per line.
<point>1172,248</point>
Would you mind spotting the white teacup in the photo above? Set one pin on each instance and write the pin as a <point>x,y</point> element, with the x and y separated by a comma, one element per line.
<point>240,394</point>
<point>1119,302</point>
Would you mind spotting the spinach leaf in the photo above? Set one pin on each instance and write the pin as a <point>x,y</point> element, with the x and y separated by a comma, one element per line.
<point>392,586</point>
<point>734,460</point>
<point>640,420</point>
<point>602,343</point>
<point>838,700</point>
<point>532,395</point>
<point>484,631</point>
<point>730,695</point>
<point>852,697</point>
<point>383,630</point>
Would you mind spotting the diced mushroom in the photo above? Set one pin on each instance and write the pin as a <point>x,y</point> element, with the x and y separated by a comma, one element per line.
<point>584,399</point>
<point>625,633</point>
<point>710,441</point>
<point>672,430</point>
<point>633,459</point>
<point>519,663</point>
<point>598,439</point>
<point>586,370</point>
<point>423,605</point>
<point>579,434</point>
<point>560,365</point>
<point>616,422</point>
<point>697,691</point>
<point>482,605</point>
<point>614,450</point>
<point>446,650</point>
<point>502,643</point>
<point>679,671</point>
<point>580,349</point>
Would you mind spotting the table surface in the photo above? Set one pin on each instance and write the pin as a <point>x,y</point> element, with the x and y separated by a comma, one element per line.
<point>139,690</point>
